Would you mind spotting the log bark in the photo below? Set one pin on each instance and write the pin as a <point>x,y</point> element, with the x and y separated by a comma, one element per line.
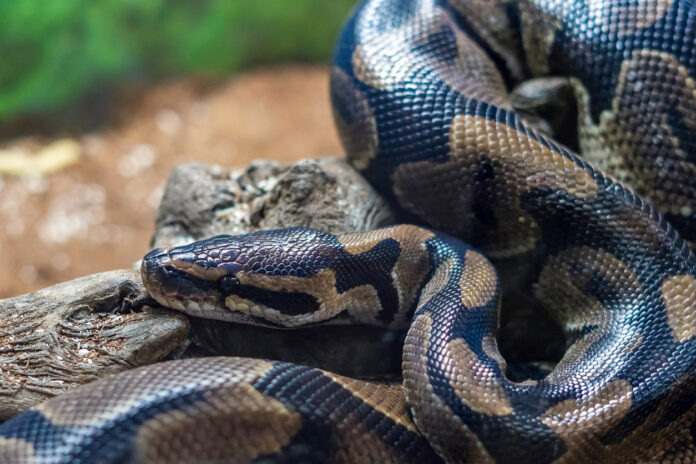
<point>201,200</point>
<point>72,333</point>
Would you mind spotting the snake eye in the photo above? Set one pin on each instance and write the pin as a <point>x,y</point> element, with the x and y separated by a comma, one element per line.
<point>228,284</point>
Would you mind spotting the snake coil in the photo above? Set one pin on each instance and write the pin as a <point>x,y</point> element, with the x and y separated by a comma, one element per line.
<point>420,95</point>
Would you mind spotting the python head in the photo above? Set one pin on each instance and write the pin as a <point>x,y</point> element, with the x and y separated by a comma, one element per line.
<point>269,278</point>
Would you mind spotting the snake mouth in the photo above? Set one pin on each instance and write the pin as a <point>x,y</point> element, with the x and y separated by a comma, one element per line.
<point>175,288</point>
<point>252,279</point>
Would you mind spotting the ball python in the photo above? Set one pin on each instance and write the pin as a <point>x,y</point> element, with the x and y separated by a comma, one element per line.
<point>421,103</point>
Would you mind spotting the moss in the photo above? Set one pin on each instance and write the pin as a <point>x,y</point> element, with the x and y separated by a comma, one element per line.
<point>55,51</point>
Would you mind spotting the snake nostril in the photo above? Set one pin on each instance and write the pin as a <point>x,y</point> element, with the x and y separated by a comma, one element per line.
<point>155,256</point>
<point>228,284</point>
<point>153,266</point>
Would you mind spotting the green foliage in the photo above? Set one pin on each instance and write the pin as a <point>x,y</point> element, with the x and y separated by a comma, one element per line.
<point>54,51</point>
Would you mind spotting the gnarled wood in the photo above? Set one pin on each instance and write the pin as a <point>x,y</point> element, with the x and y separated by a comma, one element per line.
<point>328,194</point>
<point>72,333</point>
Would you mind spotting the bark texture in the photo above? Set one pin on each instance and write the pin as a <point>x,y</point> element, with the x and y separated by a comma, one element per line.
<point>72,333</point>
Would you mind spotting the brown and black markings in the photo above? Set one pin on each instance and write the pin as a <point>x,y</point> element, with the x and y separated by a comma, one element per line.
<point>222,410</point>
<point>599,257</point>
<point>371,278</point>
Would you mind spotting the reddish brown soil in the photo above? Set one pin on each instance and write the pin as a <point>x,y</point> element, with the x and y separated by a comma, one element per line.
<point>99,213</point>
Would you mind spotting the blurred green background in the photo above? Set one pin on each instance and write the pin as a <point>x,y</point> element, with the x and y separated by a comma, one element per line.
<point>55,52</point>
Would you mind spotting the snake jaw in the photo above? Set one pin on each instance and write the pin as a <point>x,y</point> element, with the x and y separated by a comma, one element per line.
<point>249,279</point>
<point>175,281</point>
<point>282,278</point>
<point>174,286</point>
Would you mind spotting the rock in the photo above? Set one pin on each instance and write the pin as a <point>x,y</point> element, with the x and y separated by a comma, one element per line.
<point>72,333</point>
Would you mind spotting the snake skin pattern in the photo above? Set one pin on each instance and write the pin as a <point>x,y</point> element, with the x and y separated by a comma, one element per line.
<point>420,95</point>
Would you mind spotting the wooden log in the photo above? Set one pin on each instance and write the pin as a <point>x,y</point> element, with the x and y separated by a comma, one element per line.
<point>72,333</point>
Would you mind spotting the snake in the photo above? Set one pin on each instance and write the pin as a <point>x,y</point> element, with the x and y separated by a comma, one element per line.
<point>491,206</point>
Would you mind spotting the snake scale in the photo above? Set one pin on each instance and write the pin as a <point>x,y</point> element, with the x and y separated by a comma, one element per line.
<point>421,102</point>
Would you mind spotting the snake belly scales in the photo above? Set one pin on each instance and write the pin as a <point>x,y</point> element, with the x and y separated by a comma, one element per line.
<point>420,96</point>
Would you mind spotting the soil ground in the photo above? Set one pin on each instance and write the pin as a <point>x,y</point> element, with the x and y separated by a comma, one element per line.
<point>99,213</point>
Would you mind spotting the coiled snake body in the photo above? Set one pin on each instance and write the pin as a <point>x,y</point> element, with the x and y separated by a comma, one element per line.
<point>419,89</point>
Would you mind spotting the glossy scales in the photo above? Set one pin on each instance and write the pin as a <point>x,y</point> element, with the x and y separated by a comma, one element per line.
<point>419,89</point>
<point>218,410</point>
